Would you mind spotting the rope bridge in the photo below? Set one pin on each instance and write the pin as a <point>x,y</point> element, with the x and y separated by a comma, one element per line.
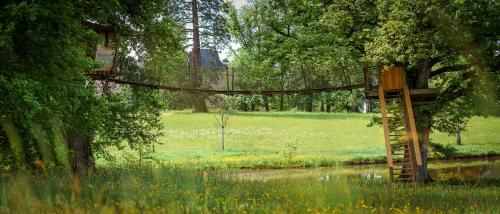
<point>235,92</point>
<point>219,81</point>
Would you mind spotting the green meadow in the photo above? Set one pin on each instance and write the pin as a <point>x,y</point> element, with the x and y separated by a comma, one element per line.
<point>195,176</point>
<point>281,139</point>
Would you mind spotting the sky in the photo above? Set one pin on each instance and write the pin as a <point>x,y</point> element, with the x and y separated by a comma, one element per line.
<point>239,3</point>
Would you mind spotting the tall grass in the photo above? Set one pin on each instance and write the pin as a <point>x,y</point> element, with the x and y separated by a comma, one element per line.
<point>167,190</point>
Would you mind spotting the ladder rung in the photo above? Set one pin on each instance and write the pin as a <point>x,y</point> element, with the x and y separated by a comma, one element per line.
<point>402,168</point>
<point>399,152</point>
<point>405,179</point>
<point>402,163</point>
<point>397,174</point>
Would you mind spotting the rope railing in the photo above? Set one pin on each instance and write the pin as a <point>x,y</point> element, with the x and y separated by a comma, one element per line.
<point>235,92</point>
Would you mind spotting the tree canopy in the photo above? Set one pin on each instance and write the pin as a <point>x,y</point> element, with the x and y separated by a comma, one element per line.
<point>45,46</point>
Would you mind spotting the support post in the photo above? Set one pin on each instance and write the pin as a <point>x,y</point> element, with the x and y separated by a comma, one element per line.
<point>383,109</point>
<point>413,127</point>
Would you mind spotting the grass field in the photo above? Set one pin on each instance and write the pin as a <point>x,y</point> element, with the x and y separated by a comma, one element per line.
<point>257,140</point>
<point>260,140</point>
<point>167,190</point>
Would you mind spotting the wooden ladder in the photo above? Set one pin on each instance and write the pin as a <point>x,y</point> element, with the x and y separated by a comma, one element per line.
<point>401,140</point>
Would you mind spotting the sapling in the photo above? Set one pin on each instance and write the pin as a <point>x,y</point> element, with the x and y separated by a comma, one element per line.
<point>222,105</point>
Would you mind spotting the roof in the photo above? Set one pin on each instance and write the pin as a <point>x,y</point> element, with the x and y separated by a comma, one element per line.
<point>209,59</point>
<point>100,28</point>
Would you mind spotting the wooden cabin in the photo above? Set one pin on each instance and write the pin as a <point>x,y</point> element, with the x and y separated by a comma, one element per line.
<point>105,50</point>
<point>393,78</point>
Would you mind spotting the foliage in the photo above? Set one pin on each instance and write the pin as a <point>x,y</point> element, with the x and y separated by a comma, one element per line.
<point>44,53</point>
<point>161,190</point>
<point>322,43</point>
<point>347,100</point>
<point>213,20</point>
<point>454,117</point>
<point>443,151</point>
<point>290,151</point>
<point>136,111</point>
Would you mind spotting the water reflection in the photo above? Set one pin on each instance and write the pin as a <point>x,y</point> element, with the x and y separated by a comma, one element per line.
<point>486,170</point>
<point>442,170</point>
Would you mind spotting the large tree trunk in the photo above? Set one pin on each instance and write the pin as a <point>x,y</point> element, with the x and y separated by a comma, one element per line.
<point>199,104</point>
<point>423,119</point>
<point>80,147</point>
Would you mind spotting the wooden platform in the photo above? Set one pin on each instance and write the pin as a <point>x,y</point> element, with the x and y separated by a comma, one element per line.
<point>417,95</point>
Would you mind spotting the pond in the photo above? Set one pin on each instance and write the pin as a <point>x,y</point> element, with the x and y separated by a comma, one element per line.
<point>439,170</point>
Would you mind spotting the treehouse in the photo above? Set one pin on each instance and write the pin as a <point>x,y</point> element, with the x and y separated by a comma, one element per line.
<point>104,52</point>
<point>400,133</point>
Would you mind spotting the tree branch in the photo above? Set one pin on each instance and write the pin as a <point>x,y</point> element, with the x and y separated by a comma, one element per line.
<point>280,31</point>
<point>447,69</point>
<point>456,91</point>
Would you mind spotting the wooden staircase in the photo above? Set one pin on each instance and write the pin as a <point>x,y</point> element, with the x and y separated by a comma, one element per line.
<point>401,140</point>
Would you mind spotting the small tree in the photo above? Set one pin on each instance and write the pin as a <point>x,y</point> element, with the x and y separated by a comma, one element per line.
<point>222,106</point>
<point>453,118</point>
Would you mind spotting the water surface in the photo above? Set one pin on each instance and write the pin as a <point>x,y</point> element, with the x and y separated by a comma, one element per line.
<point>440,170</point>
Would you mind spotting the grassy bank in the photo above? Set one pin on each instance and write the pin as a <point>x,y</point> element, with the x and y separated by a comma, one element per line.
<point>265,140</point>
<point>131,190</point>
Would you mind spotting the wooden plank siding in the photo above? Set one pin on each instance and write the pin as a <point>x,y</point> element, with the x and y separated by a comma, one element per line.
<point>392,78</point>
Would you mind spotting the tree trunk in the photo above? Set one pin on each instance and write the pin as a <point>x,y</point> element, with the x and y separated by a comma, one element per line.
<point>199,104</point>
<point>328,106</point>
<point>322,105</point>
<point>459,139</point>
<point>309,102</point>
<point>80,147</point>
<point>423,119</point>
<point>266,102</point>
<point>282,102</point>
<point>222,138</point>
